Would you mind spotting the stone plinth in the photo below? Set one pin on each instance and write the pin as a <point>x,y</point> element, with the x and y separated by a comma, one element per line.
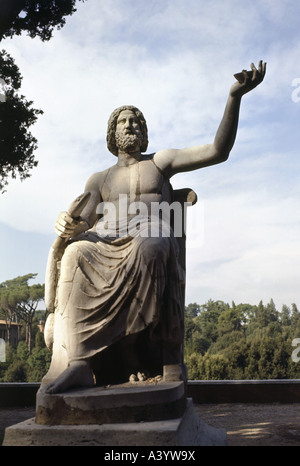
<point>115,404</point>
<point>188,430</point>
<point>137,414</point>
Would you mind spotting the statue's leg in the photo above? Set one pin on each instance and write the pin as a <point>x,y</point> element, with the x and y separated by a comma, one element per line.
<point>69,366</point>
<point>77,374</point>
<point>156,252</point>
<point>59,359</point>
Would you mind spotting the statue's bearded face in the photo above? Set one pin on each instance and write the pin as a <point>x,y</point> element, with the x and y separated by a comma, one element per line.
<point>128,135</point>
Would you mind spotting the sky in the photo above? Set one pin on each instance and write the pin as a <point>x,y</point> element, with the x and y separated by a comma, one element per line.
<point>175,60</point>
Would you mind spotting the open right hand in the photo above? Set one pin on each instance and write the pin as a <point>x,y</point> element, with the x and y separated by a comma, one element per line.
<point>249,80</point>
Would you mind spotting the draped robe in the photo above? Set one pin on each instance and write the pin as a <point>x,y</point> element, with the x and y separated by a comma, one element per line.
<point>112,286</point>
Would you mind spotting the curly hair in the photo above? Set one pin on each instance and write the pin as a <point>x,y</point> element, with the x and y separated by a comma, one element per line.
<point>112,124</point>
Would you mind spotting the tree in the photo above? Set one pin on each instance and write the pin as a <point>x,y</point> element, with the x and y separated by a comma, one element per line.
<point>271,311</point>
<point>17,145</point>
<point>295,315</point>
<point>242,341</point>
<point>28,298</point>
<point>261,316</point>
<point>16,116</point>
<point>285,316</point>
<point>16,372</point>
<point>213,367</point>
<point>22,300</point>
<point>192,310</point>
<point>7,308</point>
<point>22,366</point>
<point>207,320</point>
<point>229,321</point>
<point>38,364</point>
<point>36,17</point>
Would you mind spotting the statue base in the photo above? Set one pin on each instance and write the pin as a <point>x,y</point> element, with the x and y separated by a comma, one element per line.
<point>188,430</point>
<point>128,402</point>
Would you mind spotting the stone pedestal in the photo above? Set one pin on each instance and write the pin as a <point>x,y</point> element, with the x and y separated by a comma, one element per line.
<point>129,402</point>
<point>187,430</point>
<point>140,414</point>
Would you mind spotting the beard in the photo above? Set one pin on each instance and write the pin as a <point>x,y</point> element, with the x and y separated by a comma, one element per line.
<point>126,142</point>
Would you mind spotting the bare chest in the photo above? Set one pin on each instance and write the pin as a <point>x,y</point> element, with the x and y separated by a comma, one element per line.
<point>141,181</point>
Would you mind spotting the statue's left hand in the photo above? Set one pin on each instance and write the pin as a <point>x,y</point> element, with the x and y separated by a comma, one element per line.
<point>248,80</point>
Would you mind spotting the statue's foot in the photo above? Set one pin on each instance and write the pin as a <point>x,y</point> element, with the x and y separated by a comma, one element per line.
<point>78,374</point>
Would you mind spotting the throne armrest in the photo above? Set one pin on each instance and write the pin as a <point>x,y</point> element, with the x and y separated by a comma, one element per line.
<point>185,195</point>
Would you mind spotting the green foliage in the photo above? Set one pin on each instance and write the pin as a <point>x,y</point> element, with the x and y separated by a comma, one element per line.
<point>22,366</point>
<point>22,351</point>
<point>16,372</point>
<point>37,18</point>
<point>30,360</point>
<point>38,362</point>
<point>17,145</point>
<point>19,300</point>
<point>222,343</point>
<point>241,342</point>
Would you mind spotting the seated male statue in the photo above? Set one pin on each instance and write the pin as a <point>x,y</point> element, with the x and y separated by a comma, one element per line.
<point>118,291</point>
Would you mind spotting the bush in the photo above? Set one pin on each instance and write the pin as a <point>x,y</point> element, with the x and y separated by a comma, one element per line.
<point>38,364</point>
<point>23,366</point>
<point>16,372</point>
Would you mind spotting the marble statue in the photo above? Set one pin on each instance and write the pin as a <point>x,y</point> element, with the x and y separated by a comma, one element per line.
<point>114,291</point>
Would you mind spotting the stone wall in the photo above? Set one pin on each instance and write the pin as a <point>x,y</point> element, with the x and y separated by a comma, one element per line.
<point>204,391</point>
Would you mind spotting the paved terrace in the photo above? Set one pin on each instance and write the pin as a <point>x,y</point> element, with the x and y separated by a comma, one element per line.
<point>254,413</point>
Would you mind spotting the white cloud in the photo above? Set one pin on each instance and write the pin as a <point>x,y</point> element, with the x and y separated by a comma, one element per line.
<point>175,60</point>
<point>251,249</point>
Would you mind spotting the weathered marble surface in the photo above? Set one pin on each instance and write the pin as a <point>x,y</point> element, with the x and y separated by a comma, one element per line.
<point>188,430</point>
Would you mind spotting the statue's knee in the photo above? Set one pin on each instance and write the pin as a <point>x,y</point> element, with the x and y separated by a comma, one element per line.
<point>69,262</point>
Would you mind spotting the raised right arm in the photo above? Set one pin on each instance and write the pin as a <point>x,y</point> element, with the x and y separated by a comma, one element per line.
<point>173,161</point>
